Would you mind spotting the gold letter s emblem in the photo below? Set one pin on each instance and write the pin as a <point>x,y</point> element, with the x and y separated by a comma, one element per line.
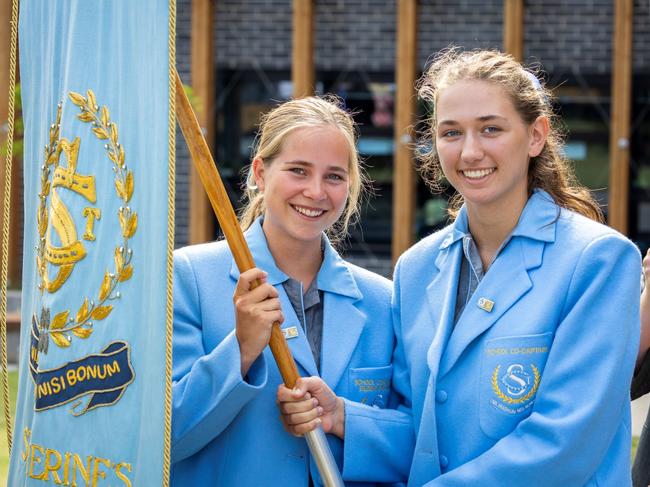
<point>71,250</point>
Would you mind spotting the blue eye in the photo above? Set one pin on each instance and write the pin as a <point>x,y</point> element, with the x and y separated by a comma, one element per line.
<point>491,130</point>
<point>335,177</point>
<point>297,170</point>
<point>451,133</point>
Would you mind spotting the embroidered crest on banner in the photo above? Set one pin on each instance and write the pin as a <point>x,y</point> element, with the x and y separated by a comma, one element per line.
<point>515,386</point>
<point>103,376</point>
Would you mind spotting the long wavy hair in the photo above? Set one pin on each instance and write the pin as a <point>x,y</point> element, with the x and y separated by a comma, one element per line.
<point>277,124</point>
<point>550,170</point>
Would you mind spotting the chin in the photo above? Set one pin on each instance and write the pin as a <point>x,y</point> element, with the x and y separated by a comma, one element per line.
<point>302,235</point>
<point>478,199</point>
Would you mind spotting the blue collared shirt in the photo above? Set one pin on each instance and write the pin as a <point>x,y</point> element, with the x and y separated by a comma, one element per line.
<point>471,271</point>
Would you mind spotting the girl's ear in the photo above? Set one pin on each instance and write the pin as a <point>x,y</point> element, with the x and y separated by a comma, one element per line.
<point>538,134</point>
<point>258,173</point>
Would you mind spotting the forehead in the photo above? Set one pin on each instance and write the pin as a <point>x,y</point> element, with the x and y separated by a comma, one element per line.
<point>472,99</point>
<point>316,145</point>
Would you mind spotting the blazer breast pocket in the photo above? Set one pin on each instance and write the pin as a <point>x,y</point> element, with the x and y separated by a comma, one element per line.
<point>370,385</point>
<point>511,370</point>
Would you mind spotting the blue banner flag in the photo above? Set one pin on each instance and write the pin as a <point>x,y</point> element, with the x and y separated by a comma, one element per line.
<point>94,395</point>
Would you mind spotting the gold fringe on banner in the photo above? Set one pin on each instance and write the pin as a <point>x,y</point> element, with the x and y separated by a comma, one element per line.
<point>6,211</point>
<point>170,239</point>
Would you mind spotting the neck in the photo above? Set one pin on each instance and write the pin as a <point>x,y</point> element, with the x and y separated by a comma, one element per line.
<point>490,226</point>
<point>299,260</point>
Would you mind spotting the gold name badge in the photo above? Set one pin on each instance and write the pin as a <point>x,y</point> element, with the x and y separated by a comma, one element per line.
<point>485,304</point>
<point>290,332</point>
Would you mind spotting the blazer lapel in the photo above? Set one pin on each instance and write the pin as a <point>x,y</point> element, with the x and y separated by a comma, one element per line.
<point>343,324</point>
<point>504,284</point>
<point>441,295</point>
<point>299,345</point>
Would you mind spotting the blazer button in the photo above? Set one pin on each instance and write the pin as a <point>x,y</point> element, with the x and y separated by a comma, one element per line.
<point>441,396</point>
<point>444,461</point>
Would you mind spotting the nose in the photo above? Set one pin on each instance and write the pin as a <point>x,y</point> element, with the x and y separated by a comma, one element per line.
<point>315,189</point>
<point>472,150</point>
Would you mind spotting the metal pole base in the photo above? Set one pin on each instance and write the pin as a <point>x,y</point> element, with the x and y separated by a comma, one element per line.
<point>320,450</point>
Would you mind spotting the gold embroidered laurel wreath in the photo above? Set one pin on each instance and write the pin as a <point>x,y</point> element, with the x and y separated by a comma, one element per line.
<point>81,325</point>
<point>510,400</point>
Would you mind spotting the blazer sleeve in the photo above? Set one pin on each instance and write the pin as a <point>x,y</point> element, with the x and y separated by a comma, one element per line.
<point>584,389</point>
<point>379,443</point>
<point>208,390</point>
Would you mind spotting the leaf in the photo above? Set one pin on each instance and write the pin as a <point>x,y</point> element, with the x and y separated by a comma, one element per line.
<point>77,99</point>
<point>53,157</point>
<point>131,226</point>
<point>126,273</point>
<point>41,218</point>
<point>100,132</point>
<point>119,260</point>
<point>104,116</point>
<point>112,156</point>
<point>114,133</point>
<point>106,287</point>
<point>82,332</point>
<point>60,339</point>
<point>121,157</point>
<point>91,99</point>
<point>82,314</point>
<point>119,187</point>
<point>122,218</point>
<point>86,117</point>
<point>101,312</point>
<point>129,186</point>
<point>60,320</point>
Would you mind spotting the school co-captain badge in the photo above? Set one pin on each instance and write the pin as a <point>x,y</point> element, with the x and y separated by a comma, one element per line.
<point>515,387</point>
<point>99,379</point>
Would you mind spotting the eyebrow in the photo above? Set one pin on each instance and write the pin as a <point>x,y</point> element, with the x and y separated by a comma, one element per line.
<point>309,164</point>
<point>483,118</point>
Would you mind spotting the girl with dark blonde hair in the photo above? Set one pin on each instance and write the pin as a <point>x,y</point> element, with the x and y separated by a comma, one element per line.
<point>518,324</point>
<point>305,179</point>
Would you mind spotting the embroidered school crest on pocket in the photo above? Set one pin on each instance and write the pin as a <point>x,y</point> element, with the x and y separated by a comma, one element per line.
<point>515,387</point>
<point>511,374</point>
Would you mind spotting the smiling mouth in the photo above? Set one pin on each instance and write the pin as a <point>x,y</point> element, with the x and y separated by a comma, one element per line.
<point>309,212</point>
<point>477,173</point>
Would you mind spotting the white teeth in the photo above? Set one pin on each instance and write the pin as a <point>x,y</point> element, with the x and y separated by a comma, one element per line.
<point>308,212</point>
<point>477,173</point>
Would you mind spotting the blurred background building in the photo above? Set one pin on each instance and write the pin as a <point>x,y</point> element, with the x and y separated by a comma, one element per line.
<point>244,56</point>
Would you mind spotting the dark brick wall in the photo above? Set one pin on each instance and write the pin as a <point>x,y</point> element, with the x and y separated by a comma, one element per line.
<point>253,34</point>
<point>570,35</point>
<point>183,33</point>
<point>641,37</point>
<point>358,35</point>
<point>467,23</point>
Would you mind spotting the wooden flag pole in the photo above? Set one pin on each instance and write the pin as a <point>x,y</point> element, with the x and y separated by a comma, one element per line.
<point>229,224</point>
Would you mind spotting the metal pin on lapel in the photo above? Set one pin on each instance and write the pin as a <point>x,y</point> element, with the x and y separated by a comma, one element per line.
<point>290,332</point>
<point>485,304</point>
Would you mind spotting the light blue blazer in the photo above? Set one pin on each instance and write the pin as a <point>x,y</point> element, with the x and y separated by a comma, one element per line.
<point>532,384</point>
<point>226,430</point>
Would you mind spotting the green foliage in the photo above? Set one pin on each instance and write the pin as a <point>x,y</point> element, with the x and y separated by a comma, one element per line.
<point>195,100</point>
